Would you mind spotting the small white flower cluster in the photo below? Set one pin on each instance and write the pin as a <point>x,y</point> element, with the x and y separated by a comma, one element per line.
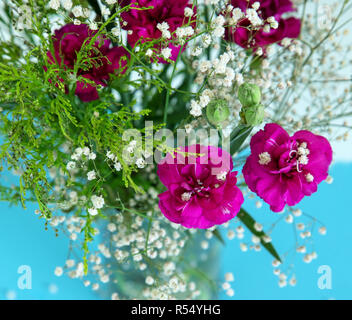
<point>273,24</point>
<point>184,33</point>
<point>77,11</point>
<point>116,31</point>
<point>71,200</point>
<point>112,157</point>
<point>283,276</point>
<point>73,225</point>
<point>167,291</point>
<point>98,203</point>
<point>80,12</point>
<point>158,247</point>
<point>235,16</point>
<point>131,148</point>
<point>93,26</point>
<point>128,242</point>
<point>206,41</point>
<point>54,4</point>
<point>80,156</point>
<point>105,11</point>
<point>197,106</point>
<point>67,4</point>
<point>91,175</point>
<point>227,284</point>
<point>222,74</point>
<point>83,154</point>
<point>217,25</point>
<point>166,53</point>
<point>253,17</point>
<point>164,28</point>
<point>111,2</point>
<point>188,12</point>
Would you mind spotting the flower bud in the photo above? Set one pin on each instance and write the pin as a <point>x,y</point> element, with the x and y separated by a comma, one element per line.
<point>249,94</point>
<point>253,115</point>
<point>217,111</point>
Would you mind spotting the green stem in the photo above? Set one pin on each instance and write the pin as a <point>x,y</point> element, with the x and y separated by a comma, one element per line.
<point>167,101</point>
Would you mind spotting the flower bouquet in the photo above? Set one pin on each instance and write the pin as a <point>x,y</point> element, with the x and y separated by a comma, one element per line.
<point>141,128</point>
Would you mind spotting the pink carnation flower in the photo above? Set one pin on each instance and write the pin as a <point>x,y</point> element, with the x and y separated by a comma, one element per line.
<point>283,169</point>
<point>287,27</point>
<point>68,41</point>
<point>201,187</point>
<point>143,23</point>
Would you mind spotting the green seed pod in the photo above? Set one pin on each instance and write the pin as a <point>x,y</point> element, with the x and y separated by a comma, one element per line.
<point>249,94</point>
<point>253,115</point>
<point>217,111</point>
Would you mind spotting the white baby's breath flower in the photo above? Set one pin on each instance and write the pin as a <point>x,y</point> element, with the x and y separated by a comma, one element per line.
<point>140,163</point>
<point>93,26</point>
<point>92,156</point>
<point>54,4</point>
<point>149,53</point>
<point>230,292</point>
<point>149,280</point>
<point>71,165</point>
<point>256,5</point>
<point>196,51</point>
<point>116,31</point>
<point>86,151</point>
<point>229,277</point>
<point>117,166</point>
<point>115,296</point>
<point>219,31</point>
<point>164,28</point>
<point>105,11</point>
<point>58,271</point>
<point>166,53</point>
<point>67,4</point>
<point>75,157</point>
<point>91,175</point>
<point>196,109</point>
<point>253,17</point>
<point>98,201</point>
<point>322,230</point>
<point>111,227</point>
<point>93,211</point>
<point>237,14</point>
<point>188,12</point>
<point>77,11</point>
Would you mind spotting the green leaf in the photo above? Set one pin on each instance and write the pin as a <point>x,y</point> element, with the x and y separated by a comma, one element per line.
<point>218,235</point>
<point>238,136</point>
<point>249,222</point>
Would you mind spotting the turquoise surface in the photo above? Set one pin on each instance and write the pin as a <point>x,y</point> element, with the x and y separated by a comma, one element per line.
<point>254,278</point>
<point>24,241</point>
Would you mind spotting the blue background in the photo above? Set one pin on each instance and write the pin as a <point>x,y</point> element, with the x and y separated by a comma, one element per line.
<point>254,278</point>
<point>24,241</point>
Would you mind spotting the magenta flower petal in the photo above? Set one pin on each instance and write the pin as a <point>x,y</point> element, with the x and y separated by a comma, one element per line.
<point>143,23</point>
<point>287,27</point>
<point>201,187</point>
<point>85,91</point>
<point>168,205</point>
<point>68,41</point>
<point>282,169</point>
